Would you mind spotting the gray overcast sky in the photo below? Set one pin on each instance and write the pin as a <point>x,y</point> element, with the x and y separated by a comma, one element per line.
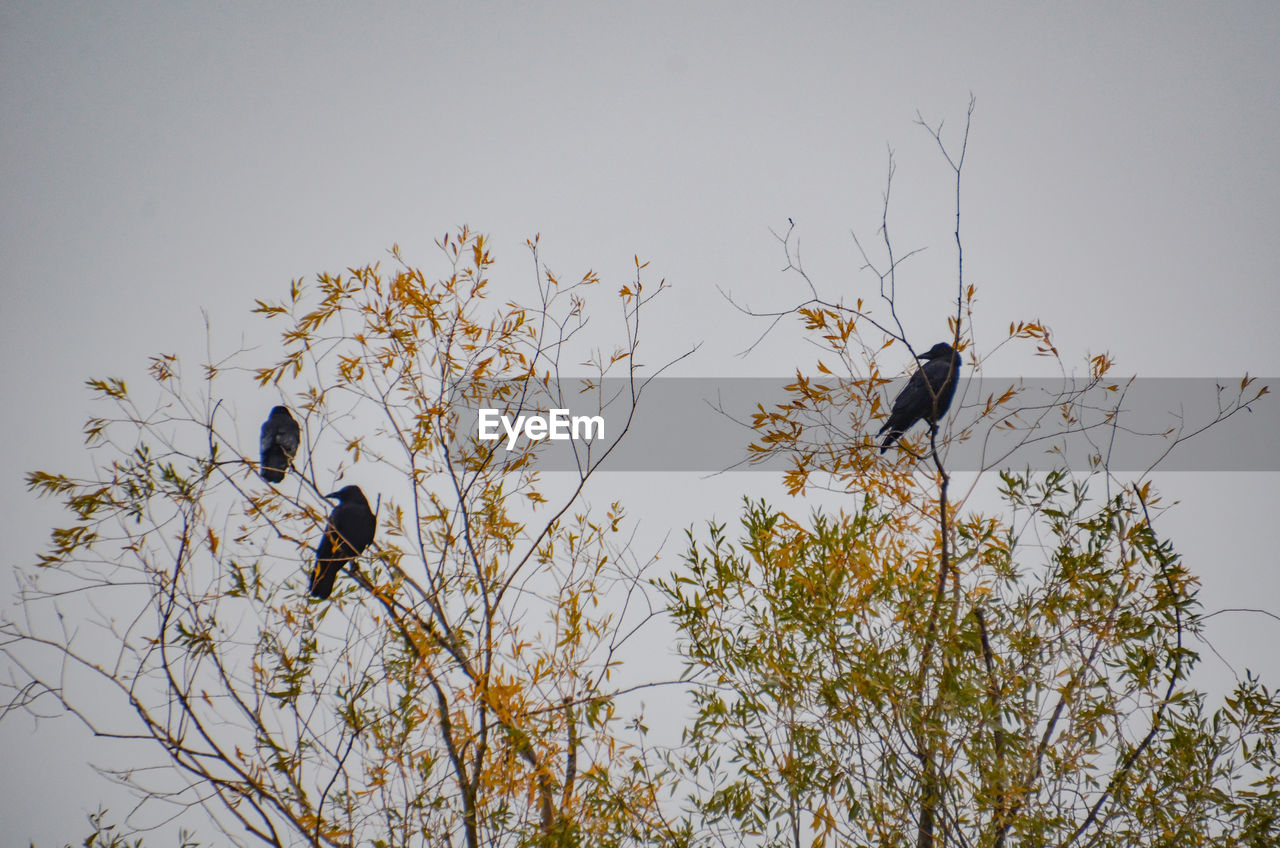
<point>1123,186</point>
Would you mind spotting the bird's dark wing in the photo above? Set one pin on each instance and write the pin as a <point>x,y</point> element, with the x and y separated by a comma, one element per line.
<point>927,396</point>
<point>288,436</point>
<point>274,463</point>
<point>910,401</point>
<point>942,375</point>
<point>331,555</point>
<point>936,396</point>
<point>280,431</point>
<point>278,444</point>
<point>350,530</point>
<point>905,412</point>
<point>267,437</point>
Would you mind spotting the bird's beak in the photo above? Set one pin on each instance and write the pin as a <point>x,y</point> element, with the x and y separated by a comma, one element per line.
<point>332,496</point>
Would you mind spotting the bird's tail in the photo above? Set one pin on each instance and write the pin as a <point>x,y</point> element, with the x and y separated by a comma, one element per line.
<point>894,435</point>
<point>323,577</point>
<point>274,465</point>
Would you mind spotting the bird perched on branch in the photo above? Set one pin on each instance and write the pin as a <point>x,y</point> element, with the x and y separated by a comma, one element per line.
<point>349,531</point>
<point>927,394</point>
<point>278,444</point>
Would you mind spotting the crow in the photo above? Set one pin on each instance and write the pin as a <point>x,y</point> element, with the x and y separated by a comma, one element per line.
<point>349,531</point>
<point>927,394</point>
<point>279,444</point>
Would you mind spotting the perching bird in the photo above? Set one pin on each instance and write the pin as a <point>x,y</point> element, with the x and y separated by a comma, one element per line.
<point>927,394</point>
<point>350,530</point>
<point>278,444</point>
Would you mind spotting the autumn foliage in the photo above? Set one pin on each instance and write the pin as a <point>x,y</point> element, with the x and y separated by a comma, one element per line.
<point>460,687</point>
<point>983,657</point>
<point>938,657</point>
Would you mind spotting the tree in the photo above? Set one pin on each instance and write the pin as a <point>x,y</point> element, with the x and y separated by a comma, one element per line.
<point>919,669</point>
<point>915,667</point>
<point>461,686</point>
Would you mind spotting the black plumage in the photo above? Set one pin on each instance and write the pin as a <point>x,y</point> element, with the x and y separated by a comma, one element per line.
<point>349,531</point>
<point>927,394</point>
<point>278,444</point>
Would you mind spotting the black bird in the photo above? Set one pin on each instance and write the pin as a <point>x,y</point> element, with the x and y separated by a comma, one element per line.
<point>350,530</point>
<point>927,394</point>
<point>278,444</point>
